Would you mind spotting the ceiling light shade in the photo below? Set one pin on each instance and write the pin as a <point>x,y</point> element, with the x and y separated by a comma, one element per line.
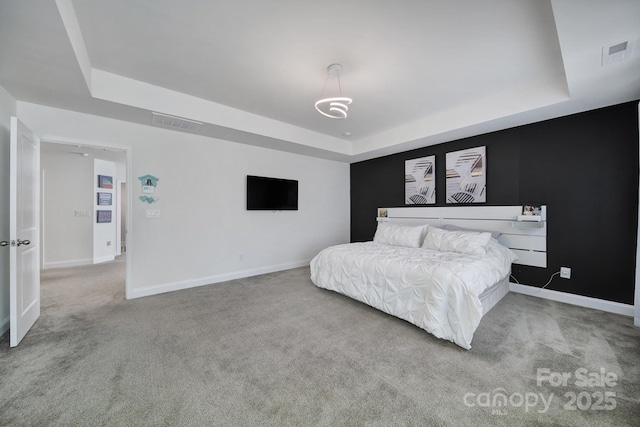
<point>335,107</point>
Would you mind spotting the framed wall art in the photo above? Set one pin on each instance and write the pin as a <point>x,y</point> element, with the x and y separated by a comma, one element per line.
<point>103,216</point>
<point>105,181</point>
<point>420,181</point>
<point>467,176</point>
<point>104,199</point>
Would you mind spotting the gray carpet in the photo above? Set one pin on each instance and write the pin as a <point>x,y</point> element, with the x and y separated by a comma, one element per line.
<point>276,350</point>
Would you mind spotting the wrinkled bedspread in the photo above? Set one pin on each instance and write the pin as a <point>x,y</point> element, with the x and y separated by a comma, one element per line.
<point>436,291</point>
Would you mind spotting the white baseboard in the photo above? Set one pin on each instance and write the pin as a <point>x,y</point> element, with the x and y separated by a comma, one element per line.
<point>579,300</point>
<point>177,286</point>
<point>102,259</point>
<point>70,263</point>
<point>4,325</point>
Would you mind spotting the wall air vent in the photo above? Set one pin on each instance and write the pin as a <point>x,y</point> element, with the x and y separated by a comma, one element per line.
<point>616,52</point>
<point>176,123</point>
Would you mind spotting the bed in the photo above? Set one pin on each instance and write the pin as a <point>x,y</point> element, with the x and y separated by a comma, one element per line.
<point>442,278</point>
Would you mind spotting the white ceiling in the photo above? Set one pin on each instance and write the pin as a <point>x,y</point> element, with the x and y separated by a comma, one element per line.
<point>85,151</point>
<point>419,72</point>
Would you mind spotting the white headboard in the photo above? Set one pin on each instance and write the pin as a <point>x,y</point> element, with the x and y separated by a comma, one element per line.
<point>528,240</point>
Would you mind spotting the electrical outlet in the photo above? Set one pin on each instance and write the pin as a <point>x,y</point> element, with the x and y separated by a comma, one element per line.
<point>565,272</point>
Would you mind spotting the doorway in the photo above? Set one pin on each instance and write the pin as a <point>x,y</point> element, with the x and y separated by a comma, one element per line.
<point>83,218</point>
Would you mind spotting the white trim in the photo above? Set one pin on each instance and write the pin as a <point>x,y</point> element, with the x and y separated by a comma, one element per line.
<point>4,325</point>
<point>102,259</point>
<point>636,319</point>
<point>43,174</point>
<point>70,263</point>
<point>573,299</point>
<point>118,215</point>
<point>177,286</point>
<point>129,223</point>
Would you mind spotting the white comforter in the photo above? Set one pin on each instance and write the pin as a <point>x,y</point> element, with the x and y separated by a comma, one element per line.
<point>437,291</point>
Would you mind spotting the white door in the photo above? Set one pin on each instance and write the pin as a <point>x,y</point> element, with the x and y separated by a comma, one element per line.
<point>24,231</point>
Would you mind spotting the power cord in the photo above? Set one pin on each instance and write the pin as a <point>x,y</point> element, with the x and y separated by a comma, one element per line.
<point>539,289</point>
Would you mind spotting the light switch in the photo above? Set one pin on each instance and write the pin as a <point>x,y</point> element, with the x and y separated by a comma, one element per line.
<point>153,213</point>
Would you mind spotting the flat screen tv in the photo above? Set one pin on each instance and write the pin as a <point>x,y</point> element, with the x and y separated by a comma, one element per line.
<point>271,194</point>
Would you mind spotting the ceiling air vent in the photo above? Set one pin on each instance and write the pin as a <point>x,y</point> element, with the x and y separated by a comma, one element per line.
<point>176,123</point>
<point>616,52</point>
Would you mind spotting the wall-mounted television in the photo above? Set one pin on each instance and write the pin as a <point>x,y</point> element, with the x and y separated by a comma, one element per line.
<point>271,194</point>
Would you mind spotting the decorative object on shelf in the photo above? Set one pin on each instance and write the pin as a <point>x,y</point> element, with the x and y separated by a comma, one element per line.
<point>420,181</point>
<point>531,213</point>
<point>104,199</point>
<point>532,216</point>
<point>531,210</point>
<point>382,213</point>
<point>105,181</point>
<point>335,107</point>
<point>103,216</point>
<point>149,183</point>
<point>148,199</point>
<point>467,176</point>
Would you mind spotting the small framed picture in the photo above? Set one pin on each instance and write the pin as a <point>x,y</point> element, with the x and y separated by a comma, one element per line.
<point>103,216</point>
<point>104,199</point>
<point>533,210</point>
<point>382,213</point>
<point>105,181</point>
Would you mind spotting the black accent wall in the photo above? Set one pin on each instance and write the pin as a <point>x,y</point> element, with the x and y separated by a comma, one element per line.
<point>584,167</point>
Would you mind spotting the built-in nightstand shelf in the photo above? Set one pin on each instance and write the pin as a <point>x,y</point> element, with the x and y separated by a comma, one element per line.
<point>528,221</point>
<point>529,218</point>
<point>527,224</point>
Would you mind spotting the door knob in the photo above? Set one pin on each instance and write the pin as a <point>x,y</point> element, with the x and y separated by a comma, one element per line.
<point>23,242</point>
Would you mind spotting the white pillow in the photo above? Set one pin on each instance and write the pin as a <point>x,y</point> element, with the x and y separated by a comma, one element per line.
<point>460,241</point>
<point>399,235</point>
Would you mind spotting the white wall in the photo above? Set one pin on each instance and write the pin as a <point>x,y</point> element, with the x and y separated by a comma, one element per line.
<point>69,188</point>
<point>204,233</point>
<point>104,234</point>
<point>68,183</point>
<point>7,109</point>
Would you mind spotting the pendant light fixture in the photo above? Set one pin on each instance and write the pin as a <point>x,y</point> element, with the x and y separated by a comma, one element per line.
<point>335,107</point>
